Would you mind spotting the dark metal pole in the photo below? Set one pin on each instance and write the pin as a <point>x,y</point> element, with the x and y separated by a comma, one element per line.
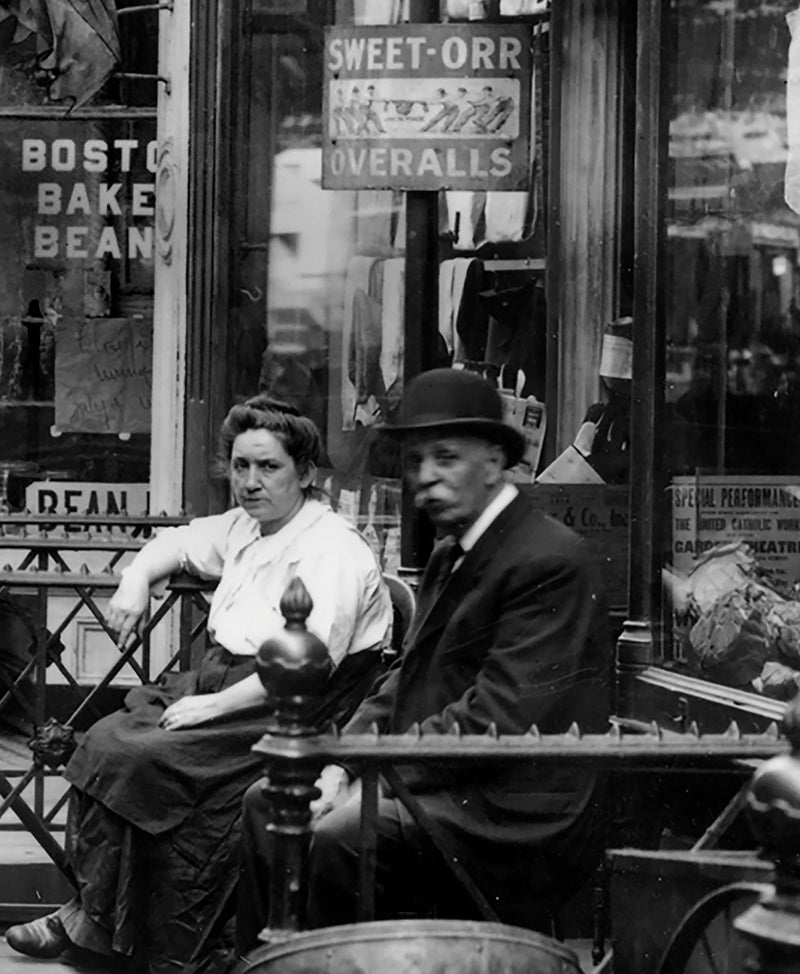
<point>553,270</point>
<point>421,319</point>
<point>421,328</point>
<point>636,645</point>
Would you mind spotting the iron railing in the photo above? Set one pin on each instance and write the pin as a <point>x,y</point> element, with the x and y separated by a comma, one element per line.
<point>45,556</point>
<point>294,753</point>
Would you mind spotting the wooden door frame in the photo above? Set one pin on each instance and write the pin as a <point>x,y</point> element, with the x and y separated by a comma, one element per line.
<point>214,120</point>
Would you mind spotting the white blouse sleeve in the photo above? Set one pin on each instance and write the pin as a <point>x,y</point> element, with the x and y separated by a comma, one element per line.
<point>202,543</point>
<point>352,609</point>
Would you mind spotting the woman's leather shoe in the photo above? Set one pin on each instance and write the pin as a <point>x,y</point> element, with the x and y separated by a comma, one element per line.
<point>45,937</point>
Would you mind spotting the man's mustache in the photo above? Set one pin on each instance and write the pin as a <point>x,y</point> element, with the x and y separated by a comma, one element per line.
<point>423,498</point>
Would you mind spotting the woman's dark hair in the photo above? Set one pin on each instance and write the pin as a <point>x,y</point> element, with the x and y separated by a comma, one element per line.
<point>298,434</point>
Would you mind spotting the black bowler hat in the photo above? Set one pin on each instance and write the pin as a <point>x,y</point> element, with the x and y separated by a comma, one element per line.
<point>461,403</point>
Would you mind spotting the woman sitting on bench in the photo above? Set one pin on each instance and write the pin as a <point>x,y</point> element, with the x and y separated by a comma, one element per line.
<point>154,811</point>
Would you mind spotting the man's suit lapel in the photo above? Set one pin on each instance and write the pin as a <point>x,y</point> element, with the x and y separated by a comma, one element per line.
<point>435,612</point>
<point>425,593</point>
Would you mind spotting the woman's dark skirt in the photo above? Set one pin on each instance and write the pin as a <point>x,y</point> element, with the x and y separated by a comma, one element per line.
<point>153,828</point>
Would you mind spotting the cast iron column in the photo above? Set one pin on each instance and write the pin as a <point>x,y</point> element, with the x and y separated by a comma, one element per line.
<point>421,322</point>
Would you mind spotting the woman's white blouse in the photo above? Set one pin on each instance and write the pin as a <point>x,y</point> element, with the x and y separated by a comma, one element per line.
<point>352,610</point>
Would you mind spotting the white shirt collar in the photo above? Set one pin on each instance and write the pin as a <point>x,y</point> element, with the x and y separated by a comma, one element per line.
<point>492,510</point>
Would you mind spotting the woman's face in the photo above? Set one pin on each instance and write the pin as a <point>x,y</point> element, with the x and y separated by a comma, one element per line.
<point>265,479</point>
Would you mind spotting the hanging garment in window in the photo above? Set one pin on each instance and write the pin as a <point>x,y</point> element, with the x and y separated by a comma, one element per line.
<point>79,40</point>
<point>362,388</point>
<point>505,217</point>
<point>516,8</point>
<point>367,12</point>
<point>463,319</point>
<point>374,212</point>
<point>463,213</point>
<point>394,289</point>
<point>517,336</point>
<point>476,218</point>
<point>365,346</point>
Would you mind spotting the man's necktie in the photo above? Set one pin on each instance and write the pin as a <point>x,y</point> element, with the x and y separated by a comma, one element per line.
<point>451,551</point>
<point>440,567</point>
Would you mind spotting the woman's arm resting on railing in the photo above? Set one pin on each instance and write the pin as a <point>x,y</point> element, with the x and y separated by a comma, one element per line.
<point>155,562</point>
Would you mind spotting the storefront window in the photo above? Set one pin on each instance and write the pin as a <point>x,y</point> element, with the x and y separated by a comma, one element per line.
<point>322,315</point>
<point>78,155</point>
<point>733,346</point>
<point>304,247</point>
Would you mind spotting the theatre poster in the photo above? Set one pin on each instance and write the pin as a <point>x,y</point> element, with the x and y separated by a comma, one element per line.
<point>764,512</point>
<point>427,107</point>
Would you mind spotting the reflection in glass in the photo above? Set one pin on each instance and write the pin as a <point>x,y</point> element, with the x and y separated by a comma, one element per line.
<point>320,321</point>
<point>77,142</point>
<point>732,295</point>
<point>733,352</point>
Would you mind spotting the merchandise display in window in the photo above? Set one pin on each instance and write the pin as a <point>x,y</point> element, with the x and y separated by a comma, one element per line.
<point>78,153</point>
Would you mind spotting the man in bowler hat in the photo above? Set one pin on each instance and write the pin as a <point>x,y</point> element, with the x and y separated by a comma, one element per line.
<point>510,631</point>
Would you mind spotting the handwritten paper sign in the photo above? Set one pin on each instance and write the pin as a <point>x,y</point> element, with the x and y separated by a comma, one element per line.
<point>427,107</point>
<point>103,375</point>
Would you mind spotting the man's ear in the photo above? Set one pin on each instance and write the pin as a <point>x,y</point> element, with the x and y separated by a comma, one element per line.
<point>496,464</point>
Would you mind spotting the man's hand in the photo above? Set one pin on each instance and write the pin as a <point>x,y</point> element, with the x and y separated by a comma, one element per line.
<point>190,711</point>
<point>335,786</point>
<point>127,605</point>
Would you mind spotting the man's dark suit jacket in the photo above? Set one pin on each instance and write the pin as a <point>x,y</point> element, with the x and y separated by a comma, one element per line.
<point>517,636</point>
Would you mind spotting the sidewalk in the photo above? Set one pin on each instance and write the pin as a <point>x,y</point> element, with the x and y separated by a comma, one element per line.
<point>13,963</point>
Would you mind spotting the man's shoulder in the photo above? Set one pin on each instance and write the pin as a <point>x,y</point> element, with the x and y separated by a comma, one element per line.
<point>535,547</point>
<point>526,515</point>
<point>528,533</point>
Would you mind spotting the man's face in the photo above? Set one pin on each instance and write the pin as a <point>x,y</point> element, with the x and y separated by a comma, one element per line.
<point>452,478</point>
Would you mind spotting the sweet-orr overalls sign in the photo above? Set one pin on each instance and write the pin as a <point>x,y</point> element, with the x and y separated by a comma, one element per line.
<point>427,107</point>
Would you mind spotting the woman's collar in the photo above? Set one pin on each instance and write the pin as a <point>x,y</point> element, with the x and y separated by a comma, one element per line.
<point>308,515</point>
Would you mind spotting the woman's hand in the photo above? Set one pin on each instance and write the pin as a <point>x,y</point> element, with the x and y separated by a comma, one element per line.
<point>190,711</point>
<point>127,605</point>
